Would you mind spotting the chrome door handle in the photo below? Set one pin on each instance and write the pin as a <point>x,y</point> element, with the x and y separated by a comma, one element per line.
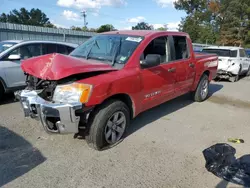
<point>171,70</point>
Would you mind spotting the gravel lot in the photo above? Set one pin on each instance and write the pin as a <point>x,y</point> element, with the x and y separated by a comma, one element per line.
<point>163,148</point>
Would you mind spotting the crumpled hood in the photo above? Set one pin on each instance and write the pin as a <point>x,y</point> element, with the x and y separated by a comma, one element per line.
<point>57,66</point>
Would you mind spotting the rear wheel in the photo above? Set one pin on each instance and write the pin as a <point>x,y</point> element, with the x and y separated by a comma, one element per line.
<point>201,92</point>
<point>108,124</point>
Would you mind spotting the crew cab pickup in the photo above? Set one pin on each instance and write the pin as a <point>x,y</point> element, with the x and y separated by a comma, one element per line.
<point>110,79</point>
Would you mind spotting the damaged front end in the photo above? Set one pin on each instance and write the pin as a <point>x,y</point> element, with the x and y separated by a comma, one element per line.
<point>54,94</point>
<point>37,103</point>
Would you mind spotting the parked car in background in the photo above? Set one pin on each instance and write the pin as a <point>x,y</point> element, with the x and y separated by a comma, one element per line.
<point>248,52</point>
<point>110,79</point>
<point>12,53</point>
<point>233,62</point>
<point>199,47</point>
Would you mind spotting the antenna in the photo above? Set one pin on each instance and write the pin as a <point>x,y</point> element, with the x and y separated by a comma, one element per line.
<point>84,18</point>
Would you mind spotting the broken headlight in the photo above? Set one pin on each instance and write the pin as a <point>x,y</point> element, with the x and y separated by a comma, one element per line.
<point>72,93</point>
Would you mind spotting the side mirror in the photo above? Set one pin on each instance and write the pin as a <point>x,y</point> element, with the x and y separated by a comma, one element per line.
<point>14,57</point>
<point>151,60</point>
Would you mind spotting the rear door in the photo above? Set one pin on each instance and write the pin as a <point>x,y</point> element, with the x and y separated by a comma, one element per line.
<point>14,74</point>
<point>159,81</point>
<point>184,63</point>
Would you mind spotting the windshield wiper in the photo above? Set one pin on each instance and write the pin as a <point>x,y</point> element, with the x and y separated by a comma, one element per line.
<point>95,43</point>
<point>116,51</point>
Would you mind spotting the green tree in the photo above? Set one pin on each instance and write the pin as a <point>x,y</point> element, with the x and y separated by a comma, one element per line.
<point>33,17</point>
<point>105,28</point>
<point>76,28</point>
<point>92,30</point>
<point>199,22</point>
<point>142,26</point>
<point>222,21</point>
<point>162,29</point>
<point>234,22</point>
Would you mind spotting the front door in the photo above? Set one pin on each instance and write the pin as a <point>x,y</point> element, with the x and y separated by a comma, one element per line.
<point>158,82</point>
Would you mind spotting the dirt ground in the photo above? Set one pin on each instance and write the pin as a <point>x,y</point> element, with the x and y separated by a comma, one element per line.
<point>163,147</point>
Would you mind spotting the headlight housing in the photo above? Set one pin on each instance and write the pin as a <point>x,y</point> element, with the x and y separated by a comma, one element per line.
<point>72,93</point>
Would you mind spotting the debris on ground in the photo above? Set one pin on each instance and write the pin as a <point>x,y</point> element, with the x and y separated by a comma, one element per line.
<point>236,140</point>
<point>221,161</point>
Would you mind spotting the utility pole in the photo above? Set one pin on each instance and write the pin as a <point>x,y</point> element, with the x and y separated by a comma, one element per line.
<point>84,18</point>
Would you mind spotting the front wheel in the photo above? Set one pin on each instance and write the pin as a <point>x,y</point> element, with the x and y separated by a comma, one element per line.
<point>201,92</point>
<point>1,92</point>
<point>108,124</point>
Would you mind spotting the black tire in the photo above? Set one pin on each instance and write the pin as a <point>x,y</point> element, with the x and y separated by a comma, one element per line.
<point>1,92</point>
<point>248,72</point>
<point>98,123</point>
<point>198,96</point>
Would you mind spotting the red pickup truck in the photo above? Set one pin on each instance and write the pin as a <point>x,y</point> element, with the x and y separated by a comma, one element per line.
<point>110,79</point>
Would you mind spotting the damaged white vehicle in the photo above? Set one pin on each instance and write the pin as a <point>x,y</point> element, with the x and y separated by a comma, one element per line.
<point>233,62</point>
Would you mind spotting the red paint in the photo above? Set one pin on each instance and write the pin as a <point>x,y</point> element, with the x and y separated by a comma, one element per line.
<point>132,81</point>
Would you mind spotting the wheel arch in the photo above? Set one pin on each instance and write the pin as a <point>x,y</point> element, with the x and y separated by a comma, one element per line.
<point>3,84</point>
<point>207,72</point>
<point>124,98</point>
<point>198,78</point>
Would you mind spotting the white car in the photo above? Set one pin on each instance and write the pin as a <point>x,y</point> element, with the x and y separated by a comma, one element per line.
<point>233,62</point>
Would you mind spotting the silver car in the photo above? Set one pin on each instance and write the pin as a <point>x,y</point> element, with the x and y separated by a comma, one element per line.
<point>13,52</point>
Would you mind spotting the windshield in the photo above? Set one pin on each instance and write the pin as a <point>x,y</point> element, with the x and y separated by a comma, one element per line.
<point>108,48</point>
<point>221,52</point>
<point>5,45</point>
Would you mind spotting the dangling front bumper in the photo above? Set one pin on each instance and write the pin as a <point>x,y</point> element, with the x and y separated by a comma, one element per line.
<point>55,117</point>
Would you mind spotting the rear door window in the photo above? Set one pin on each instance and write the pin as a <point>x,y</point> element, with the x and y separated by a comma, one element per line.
<point>181,48</point>
<point>49,48</point>
<point>234,53</point>
<point>242,53</point>
<point>62,49</point>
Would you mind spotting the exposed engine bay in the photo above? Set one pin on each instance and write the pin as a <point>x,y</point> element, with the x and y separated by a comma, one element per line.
<point>46,88</point>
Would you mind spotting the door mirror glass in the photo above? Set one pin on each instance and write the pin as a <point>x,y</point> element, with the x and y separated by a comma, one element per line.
<point>14,57</point>
<point>151,60</point>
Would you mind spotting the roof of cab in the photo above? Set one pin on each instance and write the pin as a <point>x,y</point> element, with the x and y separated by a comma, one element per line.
<point>223,47</point>
<point>144,33</point>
